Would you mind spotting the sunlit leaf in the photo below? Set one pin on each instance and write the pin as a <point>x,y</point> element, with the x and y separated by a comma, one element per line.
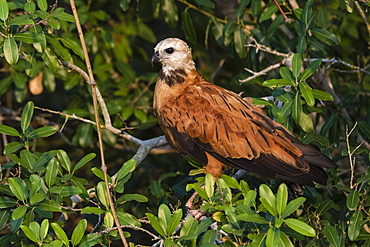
<point>10,49</point>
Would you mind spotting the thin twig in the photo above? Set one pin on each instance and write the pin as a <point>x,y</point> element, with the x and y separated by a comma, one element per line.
<point>97,119</point>
<point>287,19</point>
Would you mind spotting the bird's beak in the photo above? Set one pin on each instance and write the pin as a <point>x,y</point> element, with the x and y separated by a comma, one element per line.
<point>155,58</point>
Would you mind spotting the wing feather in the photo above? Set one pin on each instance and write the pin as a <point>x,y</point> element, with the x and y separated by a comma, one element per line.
<point>221,123</point>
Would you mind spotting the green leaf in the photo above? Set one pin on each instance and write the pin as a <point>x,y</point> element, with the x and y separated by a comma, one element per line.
<point>7,202</point>
<point>353,200</point>
<point>30,67</point>
<point>45,158</point>
<point>324,206</point>
<point>239,43</point>
<point>83,161</point>
<point>209,184</point>
<point>27,114</point>
<point>188,229</point>
<point>156,225</point>
<point>19,188</point>
<point>70,191</point>
<point>74,46</point>
<point>44,229</point>
<point>19,212</point>
<point>92,210</point>
<point>79,232</point>
<point>30,234</point>
<point>284,240</point>
<point>60,233</point>
<point>277,83</point>
<point>332,235</point>
<point>169,9</point>
<point>307,94</point>
<point>355,224</point>
<point>284,112</point>
<point>268,13</point>
<point>296,108</point>
<point>103,194</point>
<point>188,27</point>
<point>281,199</point>
<point>7,130</point>
<point>43,132</point>
<point>305,122</point>
<point>287,74</point>
<point>64,160</point>
<point>38,197</point>
<point>272,238</point>
<point>302,44</point>
<point>42,4</point>
<point>318,94</point>
<point>293,206</point>
<point>12,147</point>
<point>63,52</point>
<point>21,20</point>
<point>10,49</point>
<point>268,199</point>
<point>132,197</point>
<point>314,65</point>
<point>4,10</point>
<point>296,64</point>
<point>127,167</point>
<point>255,218</point>
<point>30,7</point>
<point>61,15</point>
<point>174,222</point>
<point>217,29</point>
<point>50,59</point>
<point>325,36</point>
<point>206,3</point>
<point>300,227</point>
<point>363,126</point>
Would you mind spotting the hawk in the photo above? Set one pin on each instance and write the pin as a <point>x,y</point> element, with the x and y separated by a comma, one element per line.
<point>219,129</point>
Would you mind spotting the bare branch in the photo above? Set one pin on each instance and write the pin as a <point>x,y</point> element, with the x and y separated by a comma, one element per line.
<point>262,72</point>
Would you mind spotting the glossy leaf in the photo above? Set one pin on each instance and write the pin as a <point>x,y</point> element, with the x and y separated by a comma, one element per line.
<point>331,234</point>
<point>287,74</point>
<point>12,147</point>
<point>64,160</point>
<point>156,225</point>
<point>44,228</point>
<point>305,122</point>
<point>256,218</point>
<point>307,94</point>
<point>296,108</point>
<point>10,49</point>
<point>281,199</point>
<point>355,224</point>
<point>60,233</point>
<point>353,199</point>
<point>296,64</point>
<point>30,234</point>
<point>301,227</point>
<point>292,206</point>
<point>272,238</point>
<point>79,232</point>
<point>325,36</point>
<point>268,199</point>
<point>174,221</point>
<point>92,210</point>
<point>27,114</point>
<point>21,20</point>
<point>43,132</point>
<point>277,83</point>
<point>272,9</point>
<point>50,59</point>
<point>83,161</point>
<point>314,65</point>
<point>164,216</point>
<point>188,229</point>
<point>209,186</point>
<point>74,46</point>
<point>127,167</point>
<point>7,130</point>
<point>103,194</point>
<point>42,4</point>
<point>4,10</point>
<point>19,212</point>
<point>19,188</point>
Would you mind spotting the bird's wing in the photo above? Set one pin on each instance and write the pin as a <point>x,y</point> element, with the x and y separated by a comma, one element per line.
<point>206,118</point>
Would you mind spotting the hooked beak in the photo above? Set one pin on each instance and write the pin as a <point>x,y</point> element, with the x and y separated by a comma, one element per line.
<point>155,58</point>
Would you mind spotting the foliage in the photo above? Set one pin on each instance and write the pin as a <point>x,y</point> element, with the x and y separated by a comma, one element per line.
<point>319,92</point>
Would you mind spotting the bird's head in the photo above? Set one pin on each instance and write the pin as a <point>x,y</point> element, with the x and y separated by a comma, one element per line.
<point>174,54</point>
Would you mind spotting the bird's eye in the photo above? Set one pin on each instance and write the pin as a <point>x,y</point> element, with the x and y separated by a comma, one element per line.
<point>170,50</point>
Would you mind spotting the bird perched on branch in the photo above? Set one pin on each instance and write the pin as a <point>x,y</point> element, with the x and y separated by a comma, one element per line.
<point>219,129</point>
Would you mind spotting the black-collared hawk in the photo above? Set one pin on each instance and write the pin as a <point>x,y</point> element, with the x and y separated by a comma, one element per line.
<point>218,128</point>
